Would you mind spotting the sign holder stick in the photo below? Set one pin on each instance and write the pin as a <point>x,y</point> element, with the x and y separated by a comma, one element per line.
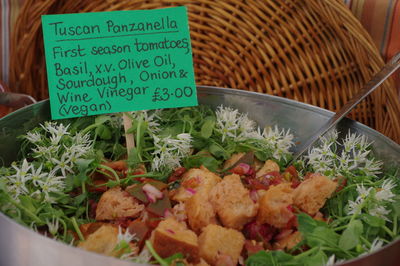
<point>130,138</point>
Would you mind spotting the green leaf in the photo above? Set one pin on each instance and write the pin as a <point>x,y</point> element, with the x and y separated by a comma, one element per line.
<point>373,220</point>
<point>218,151</point>
<point>101,119</point>
<point>79,199</point>
<point>351,235</point>
<point>317,259</point>
<point>177,256</point>
<point>396,205</point>
<point>269,258</point>
<point>207,127</point>
<point>133,158</point>
<point>198,160</point>
<point>26,201</point>
<point>103,132</point>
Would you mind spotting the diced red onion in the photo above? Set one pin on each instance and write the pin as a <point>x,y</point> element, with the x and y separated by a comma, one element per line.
<point>191,191</point>
<point>168,213</point>
<point>152,193</point>
<point>254,195</point>
<point>169,230</point>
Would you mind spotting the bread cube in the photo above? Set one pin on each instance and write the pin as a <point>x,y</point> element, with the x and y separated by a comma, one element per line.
<point>216,240</point>
<point>289,241</point>
<point>232,202</point>
<point>312,193</point>
<point>116,203</point>
<point>192,180</point>
<point>200,211</point>
<point>172,237</point>
<point>104,240</point>
<point>269,166</point>
<point>274,206</point>
<point>234,158</point>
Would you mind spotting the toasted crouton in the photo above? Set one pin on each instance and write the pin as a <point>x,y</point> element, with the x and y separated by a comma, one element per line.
<point>192,180</point>
<point>269,166</point>
<point>199,210</point>
<point>116,203</point>
<point>216,240</point>
<point>234,158</point>
<point>104,240</point>
<point>312,193</point>
<point>172,237</point>
<point>232,202</point>
<point>274,206</point>
<point>289,241</point>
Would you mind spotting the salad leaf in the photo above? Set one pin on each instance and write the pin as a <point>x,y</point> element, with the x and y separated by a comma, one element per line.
<point>351,235</point>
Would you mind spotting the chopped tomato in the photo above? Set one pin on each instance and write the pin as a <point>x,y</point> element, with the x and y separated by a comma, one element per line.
<point>177,174</point>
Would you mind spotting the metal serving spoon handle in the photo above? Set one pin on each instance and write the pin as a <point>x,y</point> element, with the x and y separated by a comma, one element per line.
<point>369,87</point>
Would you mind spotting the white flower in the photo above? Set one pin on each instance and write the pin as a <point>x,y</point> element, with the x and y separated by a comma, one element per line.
<point>64,164</point>
<point>52,184</point>
<point>363,192</point>
<point>356,206</point>
<point>33,137</point>
<point>280,140</point>
<point>47,152</point>
<point>227,121</point>
<point>23,170</point>
<point>17,183</point>
<point>376,245</point>
<point>127,237</point>
<point>331,261</point>
<point>53,225</point>
<point>379,211</point>
<point>57,131</point>
<point>37,175</point>
<point>372,167</point>
<point>169,151</point>
<point>385,193</point>
<point>149,119</point>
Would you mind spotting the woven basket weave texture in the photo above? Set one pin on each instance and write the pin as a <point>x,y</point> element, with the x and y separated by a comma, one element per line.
<point>314,51</point>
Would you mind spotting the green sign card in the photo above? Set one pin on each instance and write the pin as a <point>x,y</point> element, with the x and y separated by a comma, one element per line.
<point>118,61</point>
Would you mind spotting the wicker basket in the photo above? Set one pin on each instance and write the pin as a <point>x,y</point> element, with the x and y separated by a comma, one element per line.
<point>313,51</point>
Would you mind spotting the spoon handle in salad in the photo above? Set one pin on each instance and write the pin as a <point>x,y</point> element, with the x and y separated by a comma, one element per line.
<point>369,87</point>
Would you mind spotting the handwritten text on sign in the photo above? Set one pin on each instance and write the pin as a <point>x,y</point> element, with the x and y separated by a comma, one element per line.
<point>118,61</point>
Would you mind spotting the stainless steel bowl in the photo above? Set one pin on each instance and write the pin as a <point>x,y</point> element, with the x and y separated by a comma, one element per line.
<point>21,246</point>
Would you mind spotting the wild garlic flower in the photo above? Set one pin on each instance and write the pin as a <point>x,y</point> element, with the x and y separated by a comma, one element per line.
<point>280,140</point>
<point>227,122</point>
<point>232,124</point>
<point>385,192</point>
<point>332,157</point>
<point>33,137</point>
<point>52,184</point>
<point>169,151</point>
<point>17,183</point>
<point>150,120</point>
<point>126,236</point>
<point>377,199</point>
<point>37,175</point>
<point>53,225</point>
<point>376,245</point>
<point>331,261</point>
<point>64,164</point>
<point>379,211</point>
<point>355,207</point>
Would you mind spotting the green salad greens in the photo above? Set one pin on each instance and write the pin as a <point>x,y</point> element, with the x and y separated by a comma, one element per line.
<point>50,188</point>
